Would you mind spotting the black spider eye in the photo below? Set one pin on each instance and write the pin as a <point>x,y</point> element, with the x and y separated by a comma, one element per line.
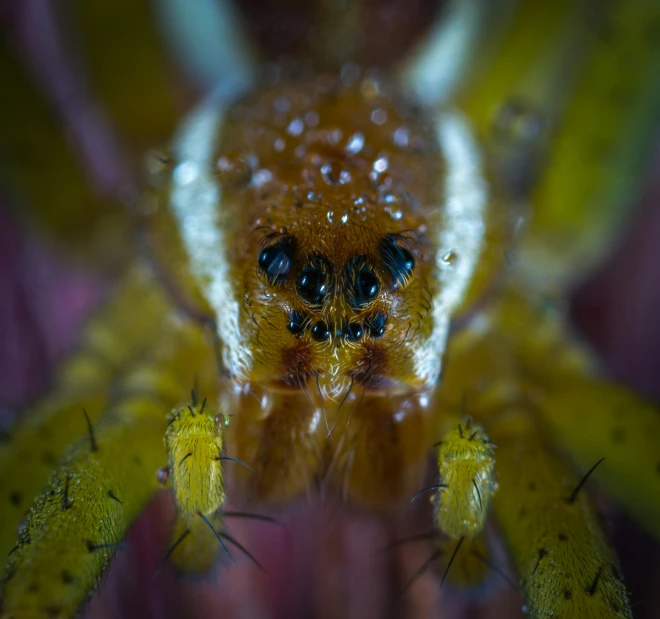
<point>320,332</point>
<point>376,325</point>
<point>312,282</point>
<point>353,331</point>
<point>367,286</point>
<point>296,324</point>
<point>364,285</point>
<point>397,259</point>
<point>275,261</point>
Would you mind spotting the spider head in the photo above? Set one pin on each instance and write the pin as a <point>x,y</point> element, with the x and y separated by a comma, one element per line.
<point>338,302</point>
<point>329,234</point>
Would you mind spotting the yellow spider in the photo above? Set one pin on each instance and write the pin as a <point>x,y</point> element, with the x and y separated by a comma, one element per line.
<point>345,262</point>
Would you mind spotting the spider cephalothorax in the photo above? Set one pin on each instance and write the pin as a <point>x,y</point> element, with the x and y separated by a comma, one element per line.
<point>338,210</point>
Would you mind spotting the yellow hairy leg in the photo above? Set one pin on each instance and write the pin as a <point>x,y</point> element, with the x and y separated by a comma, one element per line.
<point>103,482</point>
<point>565,565</point>
<point>596,159</point>
<point>80,519</point>
<point>526,63</point>
<point>115,336</point>
<point>566,106</point>
<point>591,420</point>
<point>461,500</point>
<point>195,446</point>
<point>470,564</point>
<point>194,548</point>
<point>512,349</point>
<point>465,563</point>
<point>466,467</point>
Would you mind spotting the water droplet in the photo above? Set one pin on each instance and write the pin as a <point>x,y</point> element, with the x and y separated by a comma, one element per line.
<point>311,119</point>
<point>282,105</point>
<point>380,165</point>
<point>450,257</point>
<point>355,144</point>
<point>335,136</point>
<point>261,177</point>
<point>401,136</point>
<point>333,174</point>
<point>279,145</point>
<point>296,126</point>
<point>163,475</point>
<point>378,116</point>
<point>337,218</point>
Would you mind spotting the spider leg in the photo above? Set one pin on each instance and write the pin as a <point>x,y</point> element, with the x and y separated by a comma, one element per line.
<point>100,486</point>
<point>565,564</point>
<point>566,130</point>
<point>589,417</point>
<point>466,463</point>
<point>80,519</point>
<point>211,42</point>
<point>116,336</point>
<point>562,556</point>
<point>593,419</point>
<point>194,549</point>
<point>195,445</point>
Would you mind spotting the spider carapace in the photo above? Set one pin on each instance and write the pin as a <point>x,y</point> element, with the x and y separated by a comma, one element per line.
<point>331,254</point>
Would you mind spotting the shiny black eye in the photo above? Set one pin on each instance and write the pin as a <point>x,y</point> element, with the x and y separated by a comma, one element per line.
<point>275,261</point>
<point>353,331</point>
<point>397,259</point>
<point>320,332</point>
<point>312,284</point>
<point>296,324</point>
<point>364,284</point>
<point>376,325</point>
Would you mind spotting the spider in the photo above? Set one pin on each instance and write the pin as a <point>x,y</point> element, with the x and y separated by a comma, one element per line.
<point>350,284</point>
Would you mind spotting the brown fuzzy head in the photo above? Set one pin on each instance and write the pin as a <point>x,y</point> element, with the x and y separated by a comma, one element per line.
<point>337,301</point>
<point>314,223</point>
<point>337,267</point>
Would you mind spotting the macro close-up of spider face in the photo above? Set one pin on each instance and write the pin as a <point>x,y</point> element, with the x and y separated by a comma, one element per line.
<point>328,309</point>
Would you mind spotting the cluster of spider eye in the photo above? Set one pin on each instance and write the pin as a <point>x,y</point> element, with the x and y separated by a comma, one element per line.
<point>315,283</point>
<point>321,331</point>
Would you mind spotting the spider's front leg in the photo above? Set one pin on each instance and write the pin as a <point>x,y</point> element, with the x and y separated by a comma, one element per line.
<point>565,564</point>
<point>529,386</point>
<point>590,417</point>
<point>103,482</point>
<point>116,337</point>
